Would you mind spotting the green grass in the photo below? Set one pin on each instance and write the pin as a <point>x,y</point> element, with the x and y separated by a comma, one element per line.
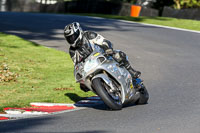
<point>44,74</point>
<point>165,21</point>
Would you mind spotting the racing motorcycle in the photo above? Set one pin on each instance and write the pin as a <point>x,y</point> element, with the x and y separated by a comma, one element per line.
<point>101,74</point>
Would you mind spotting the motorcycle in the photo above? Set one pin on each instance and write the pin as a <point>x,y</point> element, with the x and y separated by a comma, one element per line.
<point>101,74</point>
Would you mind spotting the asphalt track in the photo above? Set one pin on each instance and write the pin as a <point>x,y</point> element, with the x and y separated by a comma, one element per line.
<point>168,59</point>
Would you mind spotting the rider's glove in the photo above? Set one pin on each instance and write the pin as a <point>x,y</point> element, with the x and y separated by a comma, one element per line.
<point>109,51</point>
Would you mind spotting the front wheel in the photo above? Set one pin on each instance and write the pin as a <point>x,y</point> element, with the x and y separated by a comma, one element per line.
<point>112,100</point>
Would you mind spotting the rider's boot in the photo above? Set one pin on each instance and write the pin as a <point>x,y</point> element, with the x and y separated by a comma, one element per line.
<point>134,74</point>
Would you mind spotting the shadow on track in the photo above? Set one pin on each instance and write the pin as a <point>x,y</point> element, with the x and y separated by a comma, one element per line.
<point>98,106</point>
<point>76,98</point>
<point>23,124</point>
<point>38,124</point>
<point>93,131</point>
<point>47,27</point>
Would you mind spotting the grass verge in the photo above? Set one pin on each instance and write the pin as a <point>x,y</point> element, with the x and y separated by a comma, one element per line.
<point>164,21</point>
<point>32,73</point>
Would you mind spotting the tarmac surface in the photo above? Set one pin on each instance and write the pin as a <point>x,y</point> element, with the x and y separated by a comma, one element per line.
<point>168,59</point>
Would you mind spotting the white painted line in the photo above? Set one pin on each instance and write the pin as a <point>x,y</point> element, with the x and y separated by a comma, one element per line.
<point>161,26</point>
<point>76,109</point>
<point>35,113</point>
<point>18,111</point>
<point>25,116</point>
<point>153,25</point>
<point>51,104</point>
<point>14,116</point>
<point>14,112</point>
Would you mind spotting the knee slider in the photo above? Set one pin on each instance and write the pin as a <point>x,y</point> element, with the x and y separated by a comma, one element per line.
<point>117,57</point>
<point>122,55</point>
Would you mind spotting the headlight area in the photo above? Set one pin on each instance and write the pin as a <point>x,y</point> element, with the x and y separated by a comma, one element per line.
<point>91,64</point>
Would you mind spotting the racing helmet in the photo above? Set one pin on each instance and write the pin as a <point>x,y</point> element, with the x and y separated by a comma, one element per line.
<point>73,34</point>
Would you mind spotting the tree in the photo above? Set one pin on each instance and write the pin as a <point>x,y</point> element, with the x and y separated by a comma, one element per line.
<point>179,4</point>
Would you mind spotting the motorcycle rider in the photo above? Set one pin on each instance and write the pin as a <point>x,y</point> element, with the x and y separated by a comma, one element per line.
<point>79,49</point>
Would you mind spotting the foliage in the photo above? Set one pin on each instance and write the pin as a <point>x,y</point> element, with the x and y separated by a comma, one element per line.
<point>6,75</point>
<point>179,4</point>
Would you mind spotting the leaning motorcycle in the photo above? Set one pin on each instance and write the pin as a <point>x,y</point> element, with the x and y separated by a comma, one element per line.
<point>101,74</point>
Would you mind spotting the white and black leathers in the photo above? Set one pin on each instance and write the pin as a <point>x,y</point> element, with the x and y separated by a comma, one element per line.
<point>83,50</point>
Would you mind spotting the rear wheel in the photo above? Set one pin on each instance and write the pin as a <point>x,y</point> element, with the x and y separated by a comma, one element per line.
<point>111,98</point>
<point>144,96</point>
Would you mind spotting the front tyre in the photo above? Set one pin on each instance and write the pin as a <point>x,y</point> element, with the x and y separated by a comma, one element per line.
<point>100,88</point>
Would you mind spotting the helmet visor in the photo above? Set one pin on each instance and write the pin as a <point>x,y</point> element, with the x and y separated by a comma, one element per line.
<point>72,38</point>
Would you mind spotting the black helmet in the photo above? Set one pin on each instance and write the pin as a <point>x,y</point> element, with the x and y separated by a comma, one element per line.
<point>73,34</point>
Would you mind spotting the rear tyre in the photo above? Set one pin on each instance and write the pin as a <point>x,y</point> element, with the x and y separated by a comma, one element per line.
<point>144,96</point>
<point>101,90</point>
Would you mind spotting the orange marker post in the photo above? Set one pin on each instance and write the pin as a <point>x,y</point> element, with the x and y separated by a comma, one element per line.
<point>135,11</point>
